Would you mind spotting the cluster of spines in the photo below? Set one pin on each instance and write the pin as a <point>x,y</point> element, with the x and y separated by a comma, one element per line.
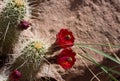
<point>30,60</point>
<point>10,17</point>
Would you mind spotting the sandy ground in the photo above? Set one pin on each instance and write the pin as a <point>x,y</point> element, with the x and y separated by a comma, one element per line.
<point>91,21</point>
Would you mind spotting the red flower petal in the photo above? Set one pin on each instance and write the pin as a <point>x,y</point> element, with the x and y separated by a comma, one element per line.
<point>66,58</point>
<point>65,38</point>
<point>67,52</point>
<point>15,75</point>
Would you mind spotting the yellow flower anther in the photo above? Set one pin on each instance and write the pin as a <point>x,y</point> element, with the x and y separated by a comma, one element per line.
<point>19,2</point>
<point>38,45</point>
<point>70,59</point>
<point>68,37</point>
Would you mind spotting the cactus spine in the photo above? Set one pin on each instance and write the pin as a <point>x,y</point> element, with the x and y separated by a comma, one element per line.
<point>30,60</point>
<point>11,15</point>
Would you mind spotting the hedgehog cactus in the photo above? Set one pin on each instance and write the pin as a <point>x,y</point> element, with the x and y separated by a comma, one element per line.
<point>11,15</point>
<point>29,62</point>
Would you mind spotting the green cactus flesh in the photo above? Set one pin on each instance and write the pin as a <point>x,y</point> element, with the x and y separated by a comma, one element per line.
<point>30,61</point>
<point>9,19</point>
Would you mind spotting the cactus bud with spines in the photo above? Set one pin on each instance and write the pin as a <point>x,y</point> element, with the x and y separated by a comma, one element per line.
<point>30,60</point>
<point>11,15</point>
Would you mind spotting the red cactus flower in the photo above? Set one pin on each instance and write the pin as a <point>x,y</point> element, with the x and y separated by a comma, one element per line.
<point>66,58</point>
<point>15,75</point>
<point>24,25</point>
<point>65,38</point>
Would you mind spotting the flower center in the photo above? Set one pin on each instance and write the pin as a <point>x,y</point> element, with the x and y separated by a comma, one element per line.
<point>69,59</point>
<point>38,45</point>
<point>19,2</point>
<point>68,37</point>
